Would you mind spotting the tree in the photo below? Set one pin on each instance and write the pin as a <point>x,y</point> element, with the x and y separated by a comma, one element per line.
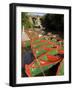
<point>25,21</point>
<point>53,23</point>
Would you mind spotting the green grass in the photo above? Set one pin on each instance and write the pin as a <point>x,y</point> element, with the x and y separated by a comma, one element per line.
<point>27,44</point>
<point>53,40</point>
<point>62,70</point>
<point>40,52</point>
<point>60,43</point>
<point>40,44</point>
<point>53,52</point>
<point>49,46</point>
<point>38,40</point>
<point>36,71</point>
<point>44,58</point>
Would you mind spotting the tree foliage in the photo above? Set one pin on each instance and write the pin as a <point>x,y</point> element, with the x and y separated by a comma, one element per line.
<point>53,22</point>
<point>25,21</point>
